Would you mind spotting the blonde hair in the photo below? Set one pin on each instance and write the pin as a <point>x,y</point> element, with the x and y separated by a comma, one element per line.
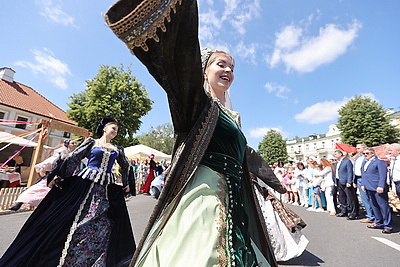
<point>214,55</point>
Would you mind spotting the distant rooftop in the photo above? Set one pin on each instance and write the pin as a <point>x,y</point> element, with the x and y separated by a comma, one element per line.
<point>22,97</point>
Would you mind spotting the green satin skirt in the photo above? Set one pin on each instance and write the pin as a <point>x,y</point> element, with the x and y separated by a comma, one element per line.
<point>196,229</point>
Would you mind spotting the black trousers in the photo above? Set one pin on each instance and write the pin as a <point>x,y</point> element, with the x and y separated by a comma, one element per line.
<point>335,196</point>
<point>347,200</point>
<point>397,185</point>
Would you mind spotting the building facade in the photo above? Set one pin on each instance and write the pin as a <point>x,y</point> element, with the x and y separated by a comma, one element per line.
<point>19,102</point>
<point>316,146</point>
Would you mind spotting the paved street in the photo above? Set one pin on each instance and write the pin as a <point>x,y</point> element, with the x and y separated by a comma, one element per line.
<point>333,241</point>
<point>338,242</point>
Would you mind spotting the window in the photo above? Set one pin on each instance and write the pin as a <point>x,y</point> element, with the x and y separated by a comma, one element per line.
<point>323,144</point>
<point>291,148</point>
<point>23,125</point>
<point>307,147</point>
<point>67,135</point>
<point>2,115</point>
<point>315,146</point>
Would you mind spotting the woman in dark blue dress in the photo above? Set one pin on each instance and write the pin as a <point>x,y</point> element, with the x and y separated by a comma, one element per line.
<point>83,220</point>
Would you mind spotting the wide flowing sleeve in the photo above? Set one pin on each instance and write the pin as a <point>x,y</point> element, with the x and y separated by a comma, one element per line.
<point>71,163</point>
<point>259,167</point>
<point>124,163</point>
<point>163,35</point>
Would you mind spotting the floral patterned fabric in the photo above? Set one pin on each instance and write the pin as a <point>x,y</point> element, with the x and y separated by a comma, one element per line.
<point>89,243</point>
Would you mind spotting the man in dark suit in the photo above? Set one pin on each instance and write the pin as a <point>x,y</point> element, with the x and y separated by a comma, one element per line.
<point>374,172</point>
<point>347,197</point>
<point>335,188</point>
<point>358,163</point>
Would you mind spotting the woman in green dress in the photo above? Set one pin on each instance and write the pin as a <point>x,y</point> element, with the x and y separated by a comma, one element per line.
<point>207,214</point>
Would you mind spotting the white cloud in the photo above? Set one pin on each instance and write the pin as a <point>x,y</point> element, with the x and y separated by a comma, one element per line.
<point>237,13</point>
<point>262,131</point>
<point>247,52</point>
<point>305,54</point>
<point>324,111</point>
<point>289,37</point>
<point>53,12</point>
<point>279,90</point>
<point>46,64</point>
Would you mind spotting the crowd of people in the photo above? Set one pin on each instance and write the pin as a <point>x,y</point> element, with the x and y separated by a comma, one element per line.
<point>149,175</point>
<point>221,204</point>
<point>339,184</point>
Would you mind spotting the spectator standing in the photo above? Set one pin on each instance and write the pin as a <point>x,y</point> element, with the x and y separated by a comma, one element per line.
<point>150,176</point>
<point>315,189</point>
<point>288,182</point>
<point>358,162</point>
<point>302,181</point>
<point>344,176</point>
<point>279,172</point>
<point>328,185</point>
<point>374,173</point>
<point>394,152</point>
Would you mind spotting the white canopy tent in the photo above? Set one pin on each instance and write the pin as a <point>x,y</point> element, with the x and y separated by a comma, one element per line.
<point>10,138</point>
<point>142,152</point>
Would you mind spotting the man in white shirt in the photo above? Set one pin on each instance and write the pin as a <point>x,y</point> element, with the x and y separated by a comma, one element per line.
<point>394,172</point>
<point>358,162</point>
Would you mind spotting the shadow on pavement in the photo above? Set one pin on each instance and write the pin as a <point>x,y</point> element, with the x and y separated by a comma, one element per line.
<point>305,259</point>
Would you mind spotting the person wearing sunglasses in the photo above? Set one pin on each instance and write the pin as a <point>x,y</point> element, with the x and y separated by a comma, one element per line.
<point>358,162</point>
<point>374,173</point>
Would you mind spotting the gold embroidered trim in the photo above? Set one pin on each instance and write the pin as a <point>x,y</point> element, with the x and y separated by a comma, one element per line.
<point>198,150</point>
<point>234,115</point>
<point>74,227</point>
<point>223,245</point>
<point>142,22</point>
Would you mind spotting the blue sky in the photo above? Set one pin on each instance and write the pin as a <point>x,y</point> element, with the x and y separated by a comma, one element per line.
<point>297,61</point>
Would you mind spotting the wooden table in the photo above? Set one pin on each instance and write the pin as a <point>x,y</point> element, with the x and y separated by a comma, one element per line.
<point>14,178</point>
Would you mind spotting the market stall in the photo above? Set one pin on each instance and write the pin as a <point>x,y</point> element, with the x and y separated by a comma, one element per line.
<point>9,178</point>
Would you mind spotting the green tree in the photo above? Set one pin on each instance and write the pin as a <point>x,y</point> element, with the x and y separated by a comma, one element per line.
<point>273,147</point>
<point>364,120</point>
<point>160,138</point>
<point>116,93</point>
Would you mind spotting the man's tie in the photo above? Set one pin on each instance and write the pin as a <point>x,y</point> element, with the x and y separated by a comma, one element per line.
<point>392,170</point>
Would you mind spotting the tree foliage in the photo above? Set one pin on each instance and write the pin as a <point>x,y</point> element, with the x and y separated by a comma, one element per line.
<point>273,148</point>
<point>364,120</point>
<point>160,138</point>
<point>116,93</point>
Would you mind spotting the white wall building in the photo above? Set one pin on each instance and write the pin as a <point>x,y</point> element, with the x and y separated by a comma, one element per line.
<point>19,102</point>
<point>317,145</point>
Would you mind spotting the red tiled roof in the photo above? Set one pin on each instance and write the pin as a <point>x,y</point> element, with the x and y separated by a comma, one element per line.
<point>20,96</point>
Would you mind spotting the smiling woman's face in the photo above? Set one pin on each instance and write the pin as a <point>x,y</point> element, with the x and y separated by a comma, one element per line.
<point>219,72</point>
<point>111,130</point>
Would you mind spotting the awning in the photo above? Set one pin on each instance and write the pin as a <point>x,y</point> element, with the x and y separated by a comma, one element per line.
<point>13,139</point>
<point>345,148</point>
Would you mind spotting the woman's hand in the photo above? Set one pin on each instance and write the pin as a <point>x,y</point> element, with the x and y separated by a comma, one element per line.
<point>126,189</point>
<point>57,182</point>
<point>51,184</point>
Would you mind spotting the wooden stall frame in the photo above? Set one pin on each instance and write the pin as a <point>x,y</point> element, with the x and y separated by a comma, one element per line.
<point>47,125</point>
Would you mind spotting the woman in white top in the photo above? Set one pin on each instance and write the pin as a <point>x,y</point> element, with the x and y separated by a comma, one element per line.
<point>279,172</point>
<point>327,185</point>
<point>301,183</point>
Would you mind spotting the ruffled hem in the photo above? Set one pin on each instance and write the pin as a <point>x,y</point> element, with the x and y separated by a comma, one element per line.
<point>142,22</point>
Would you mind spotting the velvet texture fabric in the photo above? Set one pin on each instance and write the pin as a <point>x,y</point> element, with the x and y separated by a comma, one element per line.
<point>163,35</point>
<point>41,240</point>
